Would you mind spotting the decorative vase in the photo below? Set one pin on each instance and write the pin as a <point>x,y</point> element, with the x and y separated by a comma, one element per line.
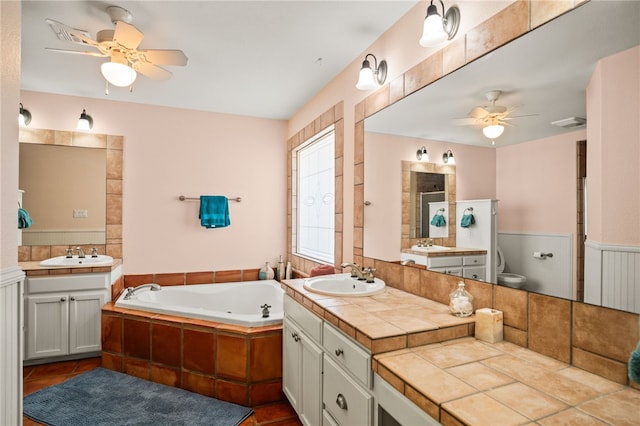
<point>266,272</point>
<point>461,302</point>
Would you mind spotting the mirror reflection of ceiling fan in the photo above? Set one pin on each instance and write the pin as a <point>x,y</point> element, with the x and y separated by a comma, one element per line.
<point>491,118</point>
<point>120,45</point>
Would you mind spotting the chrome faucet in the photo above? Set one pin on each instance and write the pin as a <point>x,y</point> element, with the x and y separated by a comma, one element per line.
<point>69,253</point>
<point>356,272</point>
<point>80,252</point>
<point>132,290</point>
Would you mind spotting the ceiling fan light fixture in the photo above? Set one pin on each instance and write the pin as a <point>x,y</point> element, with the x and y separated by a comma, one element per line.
<point>85,122</point>
<point>370,78</point>
<point>437,29</point>
<point>118,73</point>
<point>493,131</point>
<point>24,116</point>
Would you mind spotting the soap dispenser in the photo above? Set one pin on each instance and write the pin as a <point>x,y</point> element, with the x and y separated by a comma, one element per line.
<point>461,302</point>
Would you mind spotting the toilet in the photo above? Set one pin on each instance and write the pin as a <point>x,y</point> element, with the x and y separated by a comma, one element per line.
<point>506,278</point>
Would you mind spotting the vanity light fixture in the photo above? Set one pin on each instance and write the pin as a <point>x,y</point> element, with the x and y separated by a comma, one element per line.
<point>24,116</point>
<point>117,71</point>
<point>422,155</point>
<point>371,78</point>
<point>85,123</point>
<point>438,29</point>
<point>447,158</point>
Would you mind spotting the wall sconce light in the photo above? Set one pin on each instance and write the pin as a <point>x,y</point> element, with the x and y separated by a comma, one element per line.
<point>24,116</point>
<point>447,158</point>
<point>439,29</point>
<point>117,71</point>
<point>422,155</point>
<point>366,80</point>
<point>85,123</point>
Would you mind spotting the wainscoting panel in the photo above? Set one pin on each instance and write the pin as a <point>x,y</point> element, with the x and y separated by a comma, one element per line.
<point>614,278</point>
<point>11,284</point>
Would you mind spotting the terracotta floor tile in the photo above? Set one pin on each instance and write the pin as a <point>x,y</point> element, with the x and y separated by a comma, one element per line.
<point>35,385</point>
<point>271,412</point>
<point>527,401</point>
<point>56,369</point>
<point>619,408</point>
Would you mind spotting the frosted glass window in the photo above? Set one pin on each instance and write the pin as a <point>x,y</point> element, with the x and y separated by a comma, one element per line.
<point>316,198</point>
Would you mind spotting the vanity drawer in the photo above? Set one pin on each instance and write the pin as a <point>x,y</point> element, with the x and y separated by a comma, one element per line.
<point>310,323</point>
<point>347,354</point>
<point>75,282</point>
<point>443,261</point>
<point>348,402</point>
<point>474,260</point>
<point>475,272</point>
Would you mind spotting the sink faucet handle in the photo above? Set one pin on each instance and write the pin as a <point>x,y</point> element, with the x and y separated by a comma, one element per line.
<point>369,274</point>
<point>69,253</point>
<point>94,252</point>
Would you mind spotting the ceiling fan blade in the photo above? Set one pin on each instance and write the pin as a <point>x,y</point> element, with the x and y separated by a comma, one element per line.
<point>469,121</point>
<point>78,52</point>
<point>152,71</point>
<point>165,57</point>
<point>127,35</point>
<point>65,32</point>
<point>478,112</point>
<point>518,116</point>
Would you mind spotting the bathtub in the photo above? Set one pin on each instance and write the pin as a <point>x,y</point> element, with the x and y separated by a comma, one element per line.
<point>232,303</point>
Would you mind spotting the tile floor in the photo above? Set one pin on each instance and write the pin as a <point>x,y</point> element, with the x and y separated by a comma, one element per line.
<point>40,376</point>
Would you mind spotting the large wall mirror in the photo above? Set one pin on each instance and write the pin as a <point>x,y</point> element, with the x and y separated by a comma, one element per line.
<point>543,77</point>
<point>72,188</point>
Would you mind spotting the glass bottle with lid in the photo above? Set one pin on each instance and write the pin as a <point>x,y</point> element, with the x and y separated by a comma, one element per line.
<point>461,302</point>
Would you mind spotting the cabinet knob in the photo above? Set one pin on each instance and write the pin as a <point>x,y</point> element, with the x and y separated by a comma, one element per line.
<point>295,336</point>
<point>63,299</point>
<point>73,299</point>
<point>474,276</point>
<point>339,352</point>
<point>341,401</point>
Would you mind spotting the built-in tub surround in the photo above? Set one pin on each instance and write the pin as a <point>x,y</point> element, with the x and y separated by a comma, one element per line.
<point>233,363</point>
<point>249,303</point>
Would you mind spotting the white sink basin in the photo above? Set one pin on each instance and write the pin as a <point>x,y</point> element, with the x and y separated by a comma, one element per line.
<point>430,248</point>
<point>63,261</point>
<point>343,285</point>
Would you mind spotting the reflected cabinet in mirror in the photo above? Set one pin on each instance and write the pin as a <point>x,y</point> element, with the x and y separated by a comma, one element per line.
<point>548,178</point>
<point>71,185</point>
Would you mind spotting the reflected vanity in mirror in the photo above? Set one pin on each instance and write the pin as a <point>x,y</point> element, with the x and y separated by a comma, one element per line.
<point>72,183</point>
<point>533,167</point>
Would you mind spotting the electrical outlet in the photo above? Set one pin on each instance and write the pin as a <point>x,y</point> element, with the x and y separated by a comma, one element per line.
<point>80,213</point>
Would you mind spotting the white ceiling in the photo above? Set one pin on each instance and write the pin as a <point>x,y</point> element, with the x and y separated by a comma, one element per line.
<point>543,74</point>
<point>254,58</point>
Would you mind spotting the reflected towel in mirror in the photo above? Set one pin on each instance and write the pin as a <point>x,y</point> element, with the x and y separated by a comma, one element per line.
<point>467,220</point>
<point>24,220</point>
<point>214,211</point>
<point>438,220</point>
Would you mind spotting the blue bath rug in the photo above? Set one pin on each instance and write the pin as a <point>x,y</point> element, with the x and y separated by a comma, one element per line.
<point>103,397</point>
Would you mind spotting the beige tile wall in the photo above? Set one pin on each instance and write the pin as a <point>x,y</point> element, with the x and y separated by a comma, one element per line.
<point>114,146</point>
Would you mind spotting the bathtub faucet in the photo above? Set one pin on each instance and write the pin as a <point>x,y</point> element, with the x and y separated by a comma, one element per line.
<point>132,290</point>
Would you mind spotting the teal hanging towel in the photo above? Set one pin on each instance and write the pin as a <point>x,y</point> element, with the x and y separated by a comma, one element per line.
<point>438,219</point>
<point>24,220</point>
<point>634,365</point>
<point>467,218</point>
<point>214,211</point>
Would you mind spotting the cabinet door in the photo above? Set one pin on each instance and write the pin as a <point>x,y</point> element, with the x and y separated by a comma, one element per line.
<point>84,321</point>
<point>310,382</point>
<point>291,364</point>
<point>47,326</point>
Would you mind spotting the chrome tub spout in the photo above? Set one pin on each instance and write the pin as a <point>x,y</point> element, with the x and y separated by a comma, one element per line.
<point>132,290</point>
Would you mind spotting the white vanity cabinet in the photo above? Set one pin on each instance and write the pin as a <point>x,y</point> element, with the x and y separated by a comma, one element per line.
<point>302,362</point>
<point>62,314</point>
<point>469,266</point>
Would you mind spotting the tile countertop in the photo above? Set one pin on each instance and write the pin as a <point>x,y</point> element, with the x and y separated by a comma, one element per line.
<point>453,251</point>
<point>426,354</point>
<point>33,268</point>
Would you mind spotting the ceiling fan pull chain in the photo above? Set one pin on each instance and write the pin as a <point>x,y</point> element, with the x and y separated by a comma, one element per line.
<point>106,88</point>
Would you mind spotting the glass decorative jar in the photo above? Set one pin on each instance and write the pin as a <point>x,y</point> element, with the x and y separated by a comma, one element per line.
<point>461,302</point>
<point>266,272</point>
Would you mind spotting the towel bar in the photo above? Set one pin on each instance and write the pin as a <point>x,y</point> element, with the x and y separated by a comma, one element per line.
<point>183,198</point>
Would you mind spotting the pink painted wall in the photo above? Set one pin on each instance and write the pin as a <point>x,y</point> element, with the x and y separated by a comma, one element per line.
<point>475,179</point>
<point>613,150</point>
<point>536,185</point>
<point>166,156</point>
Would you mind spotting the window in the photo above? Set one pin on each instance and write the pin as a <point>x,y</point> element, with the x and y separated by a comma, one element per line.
<point>316,197</point>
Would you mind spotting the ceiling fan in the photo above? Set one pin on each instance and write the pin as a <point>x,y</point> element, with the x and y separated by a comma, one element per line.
<point>121,46</point>
<point>491,118</point>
